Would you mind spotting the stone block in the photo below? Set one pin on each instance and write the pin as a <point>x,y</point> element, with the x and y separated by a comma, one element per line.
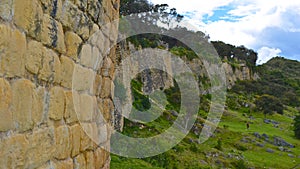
<point>70,114</point>
<point>57,103</point>
<point>51,34</point>
<point>106,88</point>
<point>85,108</point>
<point>86,56</point>
<point>93,8</point>
<point>72,41</point>
<point>13,152</point>
<point>52,7</point>
<point>34,56</point>
<point>97,85</point>
<point>75,132</point>
<point>13,47</point>
<point>80,162</point>
<point>22,104</point>
<point>83,79</point>
<point>106,107</point>
<point>57,70</point>
<point>101,157</point>
<point>6,120</point>
<point>86,142</point>
<point>63,144</point>
<point>41,147</point>
<point>6,9</point>
<point>67,69</point>
<point>89,156</point>
<point>28,16</point>
<point>38,106</point>
<point>47,71</point>
<point>108,67</point>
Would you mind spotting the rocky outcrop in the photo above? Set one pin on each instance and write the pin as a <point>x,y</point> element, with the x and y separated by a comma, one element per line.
<point>50,86</point>
<point>238,72</point>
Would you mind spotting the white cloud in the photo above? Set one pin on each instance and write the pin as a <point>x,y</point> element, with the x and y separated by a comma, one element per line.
<point>245,22</point>
<point>196,6</point>
<point>266,53</point>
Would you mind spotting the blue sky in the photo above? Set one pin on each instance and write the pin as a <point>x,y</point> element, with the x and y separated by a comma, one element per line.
<point>270,27</point>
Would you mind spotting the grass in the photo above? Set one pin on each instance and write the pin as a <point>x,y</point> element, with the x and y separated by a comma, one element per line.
<point>223,150</point>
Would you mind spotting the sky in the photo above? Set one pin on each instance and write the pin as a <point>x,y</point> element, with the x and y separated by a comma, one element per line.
<point>270,27</point>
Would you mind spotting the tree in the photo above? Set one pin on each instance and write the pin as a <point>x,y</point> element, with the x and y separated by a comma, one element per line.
<point>297,126</point>
<point>269,104</point>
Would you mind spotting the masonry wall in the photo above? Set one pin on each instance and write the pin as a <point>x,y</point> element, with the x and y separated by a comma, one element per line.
<point>53,86</point>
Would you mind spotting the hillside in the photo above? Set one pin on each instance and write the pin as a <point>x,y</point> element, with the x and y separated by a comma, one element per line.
<point>268,143</point>
<point>265,97</point>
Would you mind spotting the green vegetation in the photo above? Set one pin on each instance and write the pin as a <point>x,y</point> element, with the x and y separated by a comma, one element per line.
<point>232,145</point>
<point>270,105</point>
<point>297,126</point>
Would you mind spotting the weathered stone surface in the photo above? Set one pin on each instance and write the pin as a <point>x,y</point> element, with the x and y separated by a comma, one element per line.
<point>86,56</point>
<point>80,162</point>
<point>106,88</point>
<point>66,164</point>
<point>82,4</point>
<point>94,29</point>
<point>86,142</point>
<point>89,156</point>
<point>63,145</point>
<point>67,69</point>
<point>34,56</point>
<point>106,107</point>
<point>102,134</point>
<point>70,114</point>
<point>23,93</point>
<point>85,109</point>
<point>98,39</point>
<point>6,120</point>
<point>108,67</point>
<point>52,7</point>
<point>47,73</point>
<point>57,103</point>
<point>97,58</point>
<point>83,79</point>
<point>52,34</point>
<point>6,11</point>
<point>41,147</point>
<point>100,157</point>
<point>67,18</point>
<point>57,70</point>
<point>13,152</point>
<point>75,132</point>
<point>28,16</point>
<point>13,47</point>
<point>93,8</point>
<point>97,85</point>
<point>73,42</point>
<point>38,106</point>
<point>75,19</point>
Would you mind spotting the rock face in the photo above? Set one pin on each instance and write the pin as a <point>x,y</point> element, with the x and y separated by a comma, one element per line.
<point>54,70</point>
<point>237,72</point>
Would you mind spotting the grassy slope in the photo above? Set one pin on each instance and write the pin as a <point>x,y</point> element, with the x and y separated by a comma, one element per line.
<point>231,130</point>
<point>193,155</point>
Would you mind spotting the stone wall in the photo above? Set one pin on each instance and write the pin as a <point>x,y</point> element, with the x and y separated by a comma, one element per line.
<point>51,90</point>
